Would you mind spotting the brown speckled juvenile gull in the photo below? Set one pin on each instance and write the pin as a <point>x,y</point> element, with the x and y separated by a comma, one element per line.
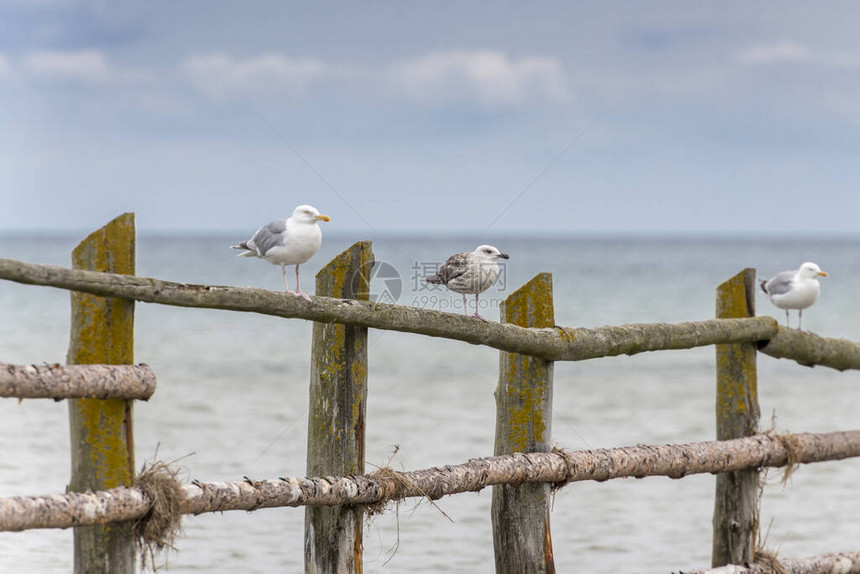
<point>470,273</point>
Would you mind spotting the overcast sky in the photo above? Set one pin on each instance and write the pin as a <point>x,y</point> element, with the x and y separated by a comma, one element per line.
<point>599,117</point>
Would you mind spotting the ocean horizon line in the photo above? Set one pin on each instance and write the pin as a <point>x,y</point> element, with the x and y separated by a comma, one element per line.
<point>456,234</point>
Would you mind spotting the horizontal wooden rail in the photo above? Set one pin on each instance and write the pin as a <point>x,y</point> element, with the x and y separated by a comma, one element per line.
<point>810,349</point>
<point>76,381</point>
<point>555,344</point>
<point>839,562</point>
<point>558,467</point>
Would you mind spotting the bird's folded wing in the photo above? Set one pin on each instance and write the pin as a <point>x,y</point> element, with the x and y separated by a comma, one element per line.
<point>454,267</point>
<point>781,284</point>
<point>271,235</point>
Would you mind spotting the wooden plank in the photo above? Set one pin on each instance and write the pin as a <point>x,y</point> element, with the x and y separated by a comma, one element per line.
<point>338,399</point>
<point>520,514</point>
<point>736,506</point>
<point>102,447</point>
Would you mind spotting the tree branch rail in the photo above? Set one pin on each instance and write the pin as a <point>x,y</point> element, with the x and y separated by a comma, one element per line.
<point>553,344</point>
<point>557,467</point>
<point>77,381</point>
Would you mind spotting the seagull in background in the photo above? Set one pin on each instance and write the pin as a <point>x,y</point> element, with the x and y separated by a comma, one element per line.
<point>470,273</point>
<point>285,242</point>
<point>796,289</point>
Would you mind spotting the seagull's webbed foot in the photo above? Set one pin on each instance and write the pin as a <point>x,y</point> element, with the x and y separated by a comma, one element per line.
<point>478,316</point>
<point>302,294</point>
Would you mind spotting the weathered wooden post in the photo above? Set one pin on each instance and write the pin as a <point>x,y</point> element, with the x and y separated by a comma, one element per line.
<point>520,514</point>
<point>736,509</point>
<point>102,446</point>
<point>338,398</point>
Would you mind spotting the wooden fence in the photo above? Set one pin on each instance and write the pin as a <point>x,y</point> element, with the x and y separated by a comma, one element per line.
<point>113,512</point>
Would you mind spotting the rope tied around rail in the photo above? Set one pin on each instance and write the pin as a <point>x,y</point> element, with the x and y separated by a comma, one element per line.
<point>568,472</point>
<point>768,561</point>
<point>159,528</point>
<point>794,449</point>
<point>394,486</point>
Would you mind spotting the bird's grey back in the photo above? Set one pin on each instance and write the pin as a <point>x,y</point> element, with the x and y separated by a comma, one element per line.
<point>781,283</point>
<point>269,236</point>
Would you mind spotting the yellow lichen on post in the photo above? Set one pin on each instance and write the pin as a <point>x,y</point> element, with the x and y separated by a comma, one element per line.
<point>520,514</point>
<point>736,506</point>
<point>338,397</point>
<point>527,378</point>
<point>102,446</point>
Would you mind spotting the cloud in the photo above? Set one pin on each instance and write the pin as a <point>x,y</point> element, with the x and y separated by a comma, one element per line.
<point>485,77</point>
<point>773,53</point>
<point>82,65</point>
<point>222,76</point>
<point>792,52</point>
<point>480,78</point>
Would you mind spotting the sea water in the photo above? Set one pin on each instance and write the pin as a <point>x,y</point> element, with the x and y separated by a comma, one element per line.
<point>233,393</point>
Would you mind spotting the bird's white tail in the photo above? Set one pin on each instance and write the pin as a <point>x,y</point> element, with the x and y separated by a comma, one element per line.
<point>248,251</point>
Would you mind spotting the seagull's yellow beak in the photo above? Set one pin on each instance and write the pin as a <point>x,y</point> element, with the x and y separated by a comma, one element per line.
<point>823,273</point>
<point>323,218</point>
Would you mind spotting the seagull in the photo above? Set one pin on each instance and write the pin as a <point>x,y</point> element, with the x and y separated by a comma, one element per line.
<point>285,242</point>
<point>796,289</point>
<point>470,273</point>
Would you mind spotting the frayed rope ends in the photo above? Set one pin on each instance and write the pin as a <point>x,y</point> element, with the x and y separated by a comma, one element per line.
<point>160,526</point>
<point>794,449</point>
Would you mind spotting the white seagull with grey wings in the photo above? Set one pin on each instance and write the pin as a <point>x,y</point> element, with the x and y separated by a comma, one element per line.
<point>796,289</point>
<point>470,273</point>
<point>285,242</point>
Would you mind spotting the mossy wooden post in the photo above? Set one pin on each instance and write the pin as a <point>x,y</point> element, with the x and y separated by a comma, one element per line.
<point>338,398</point>
<point>736,509</point>
<point>102,447</point>
<point>520,514</point>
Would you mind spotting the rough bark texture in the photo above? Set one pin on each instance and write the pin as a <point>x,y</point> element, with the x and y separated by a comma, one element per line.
<point>809,349</point>
<point>338,399</point>
<point>736,506</point>
<point>102,450</point>
<point>72,509</point>
<point>520,513</point>
<point>557,468</point>
<point>837,563</point>
<point>77,381</point>
<point>554,344</point>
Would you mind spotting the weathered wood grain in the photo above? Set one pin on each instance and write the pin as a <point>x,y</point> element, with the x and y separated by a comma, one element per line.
<point>836,563</point>
<point>338,401</point>
<point>557,467</point>
<point>520,513</point>
<point>76,381</point>
<point>102,447</point>
<point>553,343</point>
<point>736,503</point>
